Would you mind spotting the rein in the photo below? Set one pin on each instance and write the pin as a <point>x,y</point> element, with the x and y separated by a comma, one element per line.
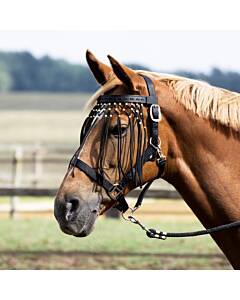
<point>162,235</point>
<point>152,152</point>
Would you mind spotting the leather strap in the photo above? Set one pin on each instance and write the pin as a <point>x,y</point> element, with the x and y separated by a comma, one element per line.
<point>114,191</point>
<point>127,99</point>
<point>150,87</point>
<point>155,109</point>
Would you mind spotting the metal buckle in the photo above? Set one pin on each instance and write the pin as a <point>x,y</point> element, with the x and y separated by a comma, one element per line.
<point>116,191</point>
<point>158,149</point>
<point>159,118</point>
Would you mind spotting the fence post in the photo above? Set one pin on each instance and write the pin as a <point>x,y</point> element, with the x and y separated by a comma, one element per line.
<point>37,166</point>
<point>16,178</point>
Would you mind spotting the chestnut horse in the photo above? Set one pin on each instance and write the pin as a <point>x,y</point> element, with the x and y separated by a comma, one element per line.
<point>198,134</point>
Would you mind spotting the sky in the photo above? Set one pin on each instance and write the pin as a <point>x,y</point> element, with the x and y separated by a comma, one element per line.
<point>158,50</point>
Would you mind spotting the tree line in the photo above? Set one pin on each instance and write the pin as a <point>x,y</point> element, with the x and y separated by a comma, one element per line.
<point>21,71</point>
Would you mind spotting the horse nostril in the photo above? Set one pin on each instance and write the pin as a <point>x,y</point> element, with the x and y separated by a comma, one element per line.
<point>72,206</point>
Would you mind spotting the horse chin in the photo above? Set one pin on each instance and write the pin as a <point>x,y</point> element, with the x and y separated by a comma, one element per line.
<point>85,231</point>
<point>77,228</point>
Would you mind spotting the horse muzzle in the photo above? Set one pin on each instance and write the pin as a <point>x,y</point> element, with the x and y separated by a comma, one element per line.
<point>76,216</point>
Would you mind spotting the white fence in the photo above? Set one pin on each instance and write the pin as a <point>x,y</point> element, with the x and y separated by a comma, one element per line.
<point>38,171</point>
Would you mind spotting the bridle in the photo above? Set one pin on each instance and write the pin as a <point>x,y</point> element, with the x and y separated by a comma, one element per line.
<point>153,152</point>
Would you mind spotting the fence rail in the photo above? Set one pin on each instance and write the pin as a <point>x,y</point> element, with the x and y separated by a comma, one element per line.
<point>40,192</point>
<point>35,171</point>
<point>34,207</point>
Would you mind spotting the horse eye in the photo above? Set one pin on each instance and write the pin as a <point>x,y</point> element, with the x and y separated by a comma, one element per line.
<point>119,132</point>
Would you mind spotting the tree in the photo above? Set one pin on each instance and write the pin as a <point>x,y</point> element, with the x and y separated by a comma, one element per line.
<point>5,79</point>
<point>21,71</point>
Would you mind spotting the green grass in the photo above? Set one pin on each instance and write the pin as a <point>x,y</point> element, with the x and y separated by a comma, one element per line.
<point>113,244</point>
<point>109,235</point>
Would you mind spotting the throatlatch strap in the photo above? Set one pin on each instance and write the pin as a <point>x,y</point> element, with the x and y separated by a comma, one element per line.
<point>150,87</point>
<point>155,110</point>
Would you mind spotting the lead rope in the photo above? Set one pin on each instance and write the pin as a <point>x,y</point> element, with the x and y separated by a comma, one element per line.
<point>162,235</point>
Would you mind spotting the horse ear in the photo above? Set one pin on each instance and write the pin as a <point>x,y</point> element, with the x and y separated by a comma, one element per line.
<point>128,76</point>
<point>100,71</point>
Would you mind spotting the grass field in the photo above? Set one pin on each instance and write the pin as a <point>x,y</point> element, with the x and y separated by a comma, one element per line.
<point>40,127</point>
<point>39,244</point>
<point>42,118</point>
<point>36,101</point>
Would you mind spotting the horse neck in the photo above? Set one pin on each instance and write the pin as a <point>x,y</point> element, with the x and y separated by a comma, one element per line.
<point>202,167</point>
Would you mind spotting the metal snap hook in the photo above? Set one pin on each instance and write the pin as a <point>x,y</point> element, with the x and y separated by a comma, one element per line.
<point>154,146</point>
<point>158,149</point>
<point>130,215</point>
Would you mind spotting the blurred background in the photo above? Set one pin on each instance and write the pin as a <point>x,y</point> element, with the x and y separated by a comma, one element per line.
<point>44,86</point>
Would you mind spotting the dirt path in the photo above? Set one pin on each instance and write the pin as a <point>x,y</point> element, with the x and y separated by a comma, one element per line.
<point>101,261</point>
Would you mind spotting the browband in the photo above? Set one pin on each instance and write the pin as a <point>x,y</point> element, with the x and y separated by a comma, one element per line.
<point>127,98</point>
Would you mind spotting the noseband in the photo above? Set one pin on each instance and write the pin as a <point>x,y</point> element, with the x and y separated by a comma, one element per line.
<point>152,152</point>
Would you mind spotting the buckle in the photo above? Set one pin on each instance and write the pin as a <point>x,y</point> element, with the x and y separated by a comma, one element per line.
<point>115,191</point>
<point>159,117</point>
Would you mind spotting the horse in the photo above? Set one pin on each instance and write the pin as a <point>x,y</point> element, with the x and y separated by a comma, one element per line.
<point>196,129</point>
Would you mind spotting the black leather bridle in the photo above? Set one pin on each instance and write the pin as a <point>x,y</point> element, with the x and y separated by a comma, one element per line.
<point>153,151</point>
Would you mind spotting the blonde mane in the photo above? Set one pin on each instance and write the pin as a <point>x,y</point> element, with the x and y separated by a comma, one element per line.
<point>204,100</point>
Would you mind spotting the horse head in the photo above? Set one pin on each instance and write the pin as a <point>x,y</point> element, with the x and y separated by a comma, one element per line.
<point>119,147</point>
